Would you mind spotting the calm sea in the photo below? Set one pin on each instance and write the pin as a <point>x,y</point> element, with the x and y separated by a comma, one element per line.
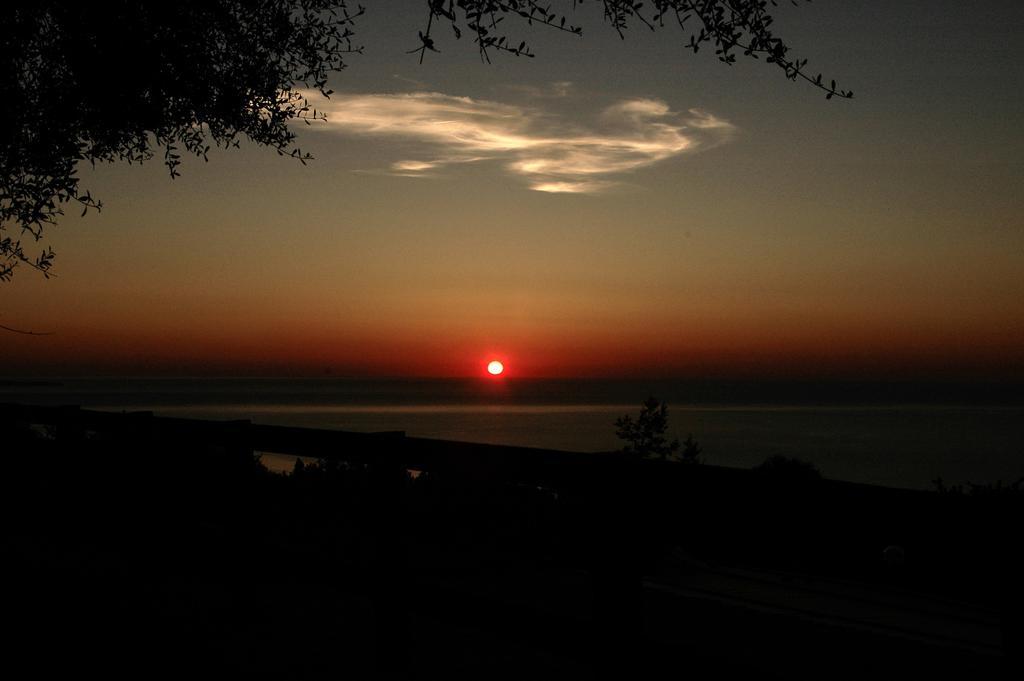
<point>902,435</point>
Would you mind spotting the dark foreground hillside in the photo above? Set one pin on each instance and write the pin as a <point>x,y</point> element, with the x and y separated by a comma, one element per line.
<point>150,547</point>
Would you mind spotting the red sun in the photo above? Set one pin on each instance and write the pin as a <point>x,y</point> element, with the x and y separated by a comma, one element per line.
<point>495,368</point>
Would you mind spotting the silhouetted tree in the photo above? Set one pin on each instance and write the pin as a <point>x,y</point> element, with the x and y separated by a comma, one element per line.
<point>122,81</point>
<point>127,80</point>
<point>646,435</point>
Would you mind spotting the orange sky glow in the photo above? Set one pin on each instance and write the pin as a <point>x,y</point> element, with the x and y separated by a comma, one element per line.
<point>570,217</point>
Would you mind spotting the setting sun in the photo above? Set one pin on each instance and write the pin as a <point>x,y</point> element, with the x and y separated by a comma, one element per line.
<point>495,368</point>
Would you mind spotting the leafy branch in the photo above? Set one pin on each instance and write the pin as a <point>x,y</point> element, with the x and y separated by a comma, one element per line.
<point>731,26</point>
<point>119,82</point>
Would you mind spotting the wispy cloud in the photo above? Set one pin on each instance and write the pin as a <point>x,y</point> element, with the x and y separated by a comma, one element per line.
<point>554,90</point>
<point>552,153</point>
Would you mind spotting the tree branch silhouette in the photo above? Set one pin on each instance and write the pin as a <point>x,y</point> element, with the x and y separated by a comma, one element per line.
<point>729,26</point>
<point>125,80</point>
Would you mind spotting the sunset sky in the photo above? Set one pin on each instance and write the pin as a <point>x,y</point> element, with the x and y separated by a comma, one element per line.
<point>609,208</point>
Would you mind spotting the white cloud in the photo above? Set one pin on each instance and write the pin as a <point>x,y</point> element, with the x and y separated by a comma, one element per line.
<point>413,166</point>
<point>563,187</point>
<point>553,154</point>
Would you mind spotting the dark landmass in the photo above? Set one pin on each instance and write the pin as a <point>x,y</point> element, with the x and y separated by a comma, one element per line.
<point>12,383</point>
<point>153,547</point>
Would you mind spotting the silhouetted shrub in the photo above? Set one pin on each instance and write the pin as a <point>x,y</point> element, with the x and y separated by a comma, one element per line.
<point>691,451</point>
<point>790,469</point>
<point>990,490</point>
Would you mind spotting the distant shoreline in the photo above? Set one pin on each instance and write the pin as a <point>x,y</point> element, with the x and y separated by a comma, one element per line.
<point>677,392</point>
<point>901,446</point>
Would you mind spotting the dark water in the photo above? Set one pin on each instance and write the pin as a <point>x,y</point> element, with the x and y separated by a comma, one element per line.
<point>902,435</point>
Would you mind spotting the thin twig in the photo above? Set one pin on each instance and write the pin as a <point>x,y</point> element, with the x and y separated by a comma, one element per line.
<point>27,333</point>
